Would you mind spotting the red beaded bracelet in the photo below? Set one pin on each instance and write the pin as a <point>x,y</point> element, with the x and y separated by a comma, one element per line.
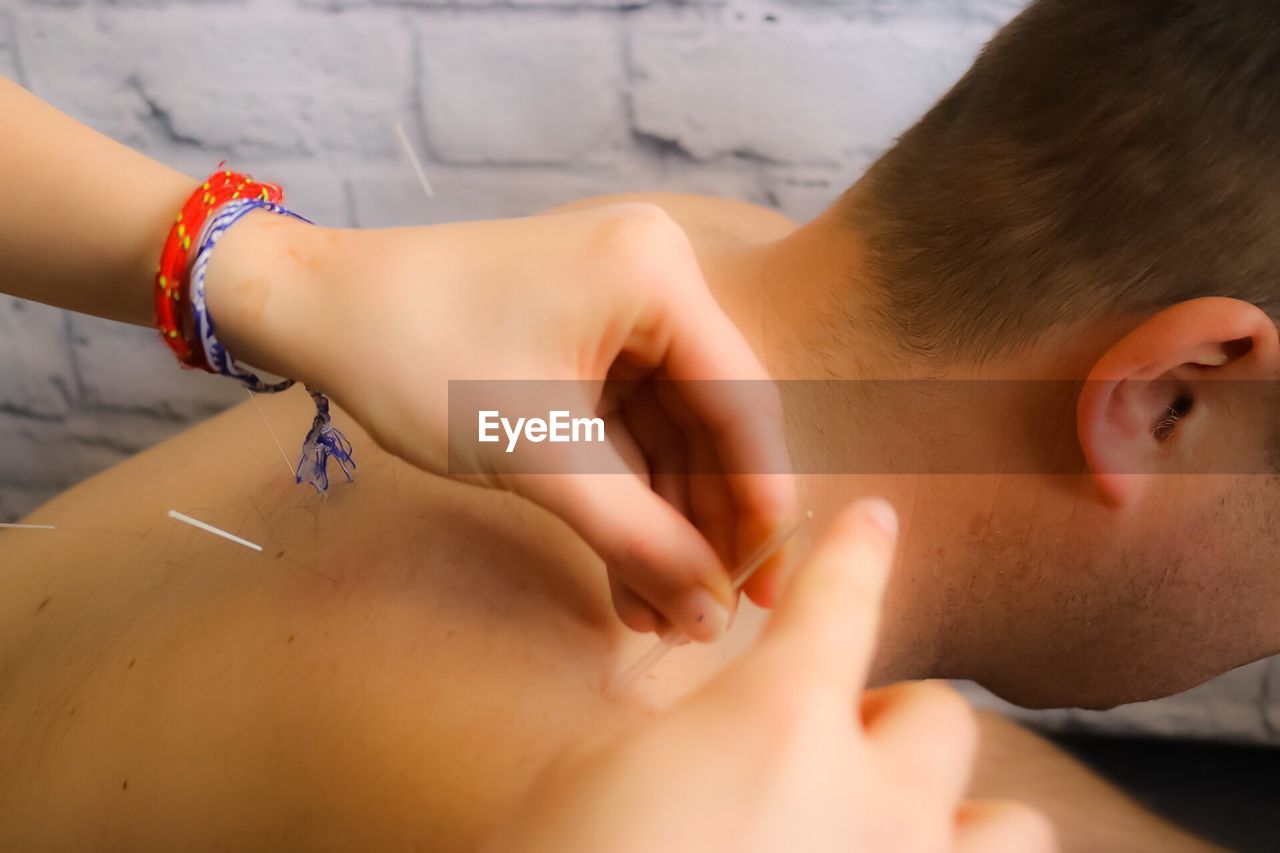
<point>175,259</point>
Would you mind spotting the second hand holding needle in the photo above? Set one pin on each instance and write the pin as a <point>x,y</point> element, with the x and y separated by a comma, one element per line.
<point>673,638</point>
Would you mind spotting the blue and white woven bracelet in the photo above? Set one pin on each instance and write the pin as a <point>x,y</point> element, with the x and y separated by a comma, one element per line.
<point>323,440</point>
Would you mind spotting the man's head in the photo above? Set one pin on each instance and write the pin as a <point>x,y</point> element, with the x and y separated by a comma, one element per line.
<point>1100,157</point>
<point>1098,198</point>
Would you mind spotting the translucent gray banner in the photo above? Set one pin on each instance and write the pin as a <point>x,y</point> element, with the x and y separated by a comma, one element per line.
<point>1188,426</point>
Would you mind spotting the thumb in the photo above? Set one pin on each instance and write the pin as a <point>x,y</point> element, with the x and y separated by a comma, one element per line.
<point>647,546</point>
<point>827,621</point>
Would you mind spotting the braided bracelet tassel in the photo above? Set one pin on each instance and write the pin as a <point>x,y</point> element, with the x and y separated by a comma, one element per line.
<point>323,440</point>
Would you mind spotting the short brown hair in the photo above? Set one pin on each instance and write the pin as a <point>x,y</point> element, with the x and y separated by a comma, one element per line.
<point>1099,156</point>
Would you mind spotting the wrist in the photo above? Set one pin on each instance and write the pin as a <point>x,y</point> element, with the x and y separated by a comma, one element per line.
<point>262,291</point>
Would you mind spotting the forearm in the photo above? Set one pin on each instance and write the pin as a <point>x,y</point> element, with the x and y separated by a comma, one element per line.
<point>1088,812</point>
<point>84,217</point>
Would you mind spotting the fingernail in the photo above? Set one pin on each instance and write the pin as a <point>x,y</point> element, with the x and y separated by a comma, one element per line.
<point>701,615</point>
<point>882,514</point>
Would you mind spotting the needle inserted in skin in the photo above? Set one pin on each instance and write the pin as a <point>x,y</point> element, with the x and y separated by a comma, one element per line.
<point>209,528</point>
<point>9,526</point>
<point>673,638</point>
<point>283,455</point>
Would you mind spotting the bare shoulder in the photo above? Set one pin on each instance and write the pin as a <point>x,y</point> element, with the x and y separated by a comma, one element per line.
<point>711,218</point>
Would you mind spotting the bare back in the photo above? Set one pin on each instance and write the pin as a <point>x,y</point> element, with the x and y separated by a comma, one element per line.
<point>388,673</point>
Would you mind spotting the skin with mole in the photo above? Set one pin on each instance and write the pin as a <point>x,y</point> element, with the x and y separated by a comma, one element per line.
<point>471,641</point>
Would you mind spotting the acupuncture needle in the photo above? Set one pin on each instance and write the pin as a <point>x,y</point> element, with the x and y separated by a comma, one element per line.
<point>398,127</point>
<point>673,638</point>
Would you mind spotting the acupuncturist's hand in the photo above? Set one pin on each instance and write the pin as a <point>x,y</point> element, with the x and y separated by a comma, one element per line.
<point>784,751</point>
<point>383,319</point>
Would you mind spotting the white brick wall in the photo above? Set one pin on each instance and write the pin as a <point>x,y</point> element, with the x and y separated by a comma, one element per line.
<point>803,92</point>
<point>546,90</point>
<point>516,104</point>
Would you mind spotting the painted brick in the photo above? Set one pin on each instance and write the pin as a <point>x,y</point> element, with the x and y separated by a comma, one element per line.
<point>531,4</point>
<point>803,193</point>
<point>58,454</point>
<point>395,198</point>
<point>254,81</point>
<point>18,501</point>
<point>791,93</point>
<point>977,11</point>
<point>36,375</point>
<point>8,59</point>
<point>545,91</point>
<point>801,197</point>
<point>127,367</point>
<point>388,194</point>
<point>50,457</point>
<point>740,179</point>
<point>389,198</point>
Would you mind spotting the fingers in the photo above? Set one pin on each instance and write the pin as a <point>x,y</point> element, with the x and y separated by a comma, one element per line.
<point>634,612</point>
<point>829,615</point>
<point>729,390</point>
<point>766,584</point>
<point>742,422</point>
<point>712,506</point>
<point>1000,826</point>
<point>927,731</point>
<point>647,545</point>
<point>723,385</point>
<point>663,444</point>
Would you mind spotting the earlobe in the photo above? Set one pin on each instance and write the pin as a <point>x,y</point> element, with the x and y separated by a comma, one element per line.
<point>1110,438</point>
<point>1153,376</point>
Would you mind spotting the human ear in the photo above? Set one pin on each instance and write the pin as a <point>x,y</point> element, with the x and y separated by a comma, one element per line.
<point>1156,383</point>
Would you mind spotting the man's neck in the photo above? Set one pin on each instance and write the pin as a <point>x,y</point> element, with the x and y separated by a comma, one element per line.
<point>792,300</point>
